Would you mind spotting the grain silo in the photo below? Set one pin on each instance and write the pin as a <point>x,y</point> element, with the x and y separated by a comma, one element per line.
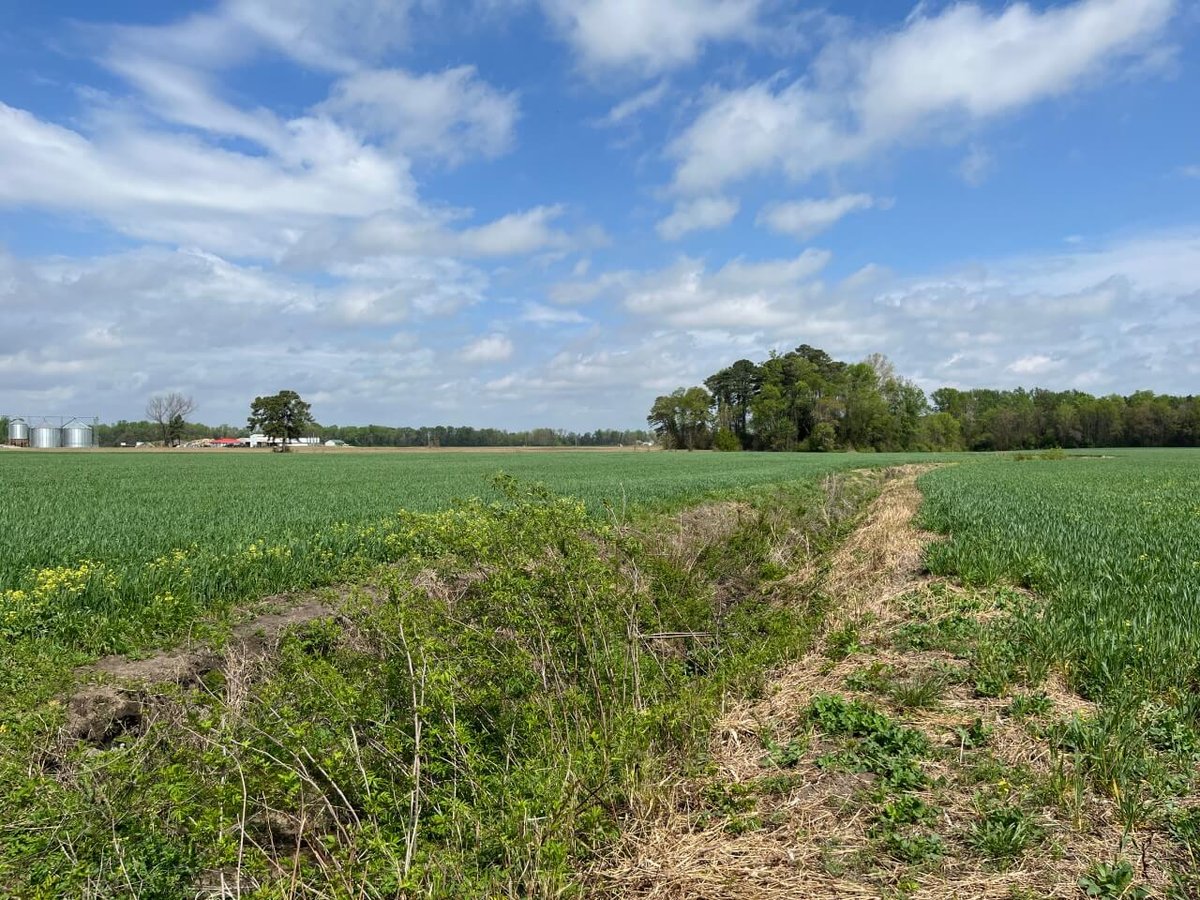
<point>45,436</point>
<point>18,432</point>
<point>77,435</point>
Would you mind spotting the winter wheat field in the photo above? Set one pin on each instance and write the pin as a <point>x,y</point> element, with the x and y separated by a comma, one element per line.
<point>600,674</point>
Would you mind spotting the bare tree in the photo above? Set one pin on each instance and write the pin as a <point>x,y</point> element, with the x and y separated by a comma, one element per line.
<point>168,412</point>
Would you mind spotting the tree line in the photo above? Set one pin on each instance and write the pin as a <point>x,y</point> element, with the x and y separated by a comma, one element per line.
<point>133,432</point>
<point>285,417</point>
<point>806,400</point>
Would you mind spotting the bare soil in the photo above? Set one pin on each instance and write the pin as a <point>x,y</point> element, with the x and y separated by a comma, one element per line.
<point>100,712</point>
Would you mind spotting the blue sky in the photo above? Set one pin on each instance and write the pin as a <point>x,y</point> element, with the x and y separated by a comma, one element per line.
<point>529,212</point>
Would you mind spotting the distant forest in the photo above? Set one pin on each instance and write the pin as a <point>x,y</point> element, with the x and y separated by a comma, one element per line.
<point>806,400</point>
<point>384,436</point>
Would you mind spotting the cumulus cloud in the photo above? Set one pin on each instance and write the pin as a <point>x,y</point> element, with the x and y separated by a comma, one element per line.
<point>1116,316</point>
<point>308,243</point>
<point>700,214</point>
<point>372,243</point>
<point>248,331</point>
<point>805,218</point>
<point>1120,316</point>
<point>490,348</point>
<point>174,160</point>
<point>741,295</point>
<point>648,37</point>
<point>962,64</point>
<point>541,314</point>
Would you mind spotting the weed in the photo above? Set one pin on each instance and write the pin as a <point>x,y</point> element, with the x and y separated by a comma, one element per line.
<point>785,756</point>
<point>874,678</point>
<point>1024,705</point>
<point>912,848</point>
<point>877,744</point>
<point>907,809</point>
<point>1184,826</point>
<point>922,691</point>
<point>1003,832</point>
<point>973,735</point>
<point>842,641</point>
<point>1113,880</point>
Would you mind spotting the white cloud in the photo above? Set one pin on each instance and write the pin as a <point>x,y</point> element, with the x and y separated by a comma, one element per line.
<point>242,180</point>
<point>700,214</point>
<point>740,296</point>
<point>166,186</point>
<point>516,233</point>
<point>1119,316</point>
<point>1115,316</point>
<point>185,95</point>
<point>636,105</point>
<point>373,242</point>
<point>334,35</point>
<point>805,218</point>
<point>648,37</point>
<point>491,348</point>
<point>541,314</point>
<point>1033,364</point>
<point>447,116</point>
<point>961,64</point>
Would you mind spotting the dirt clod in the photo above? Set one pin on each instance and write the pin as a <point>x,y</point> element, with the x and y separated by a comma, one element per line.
<point>101,713</point>
<point>98,713</point>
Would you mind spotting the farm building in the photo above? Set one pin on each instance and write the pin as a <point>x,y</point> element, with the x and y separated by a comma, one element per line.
<point>261,440</point>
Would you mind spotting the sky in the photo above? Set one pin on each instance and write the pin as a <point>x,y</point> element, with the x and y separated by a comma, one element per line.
<point>520,213</point>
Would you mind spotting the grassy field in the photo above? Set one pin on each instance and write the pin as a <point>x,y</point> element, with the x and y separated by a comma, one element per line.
<point>470,724</point>
<point>107,551</point>
<point>1111,549</point>
<point>1113,545</point>
<point>483,713</point>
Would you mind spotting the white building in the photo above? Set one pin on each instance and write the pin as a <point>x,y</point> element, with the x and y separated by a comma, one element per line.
<point>261,440</point>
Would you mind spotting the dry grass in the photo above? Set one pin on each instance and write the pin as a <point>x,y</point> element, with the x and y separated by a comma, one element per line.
<point>806,831</point>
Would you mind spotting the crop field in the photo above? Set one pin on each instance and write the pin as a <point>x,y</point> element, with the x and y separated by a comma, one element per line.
<point>1110,548</point>
<point>494,687</point>
<point>1113,545</point>
<point>111,550</point>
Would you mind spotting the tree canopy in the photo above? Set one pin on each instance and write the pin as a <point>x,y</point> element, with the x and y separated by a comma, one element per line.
<point>283,416</point>
<point>806,400</point>
<point>169,412</point>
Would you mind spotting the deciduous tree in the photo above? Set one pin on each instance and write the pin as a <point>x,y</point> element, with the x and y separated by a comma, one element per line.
<point>283,416</point>
<point>169,412</point>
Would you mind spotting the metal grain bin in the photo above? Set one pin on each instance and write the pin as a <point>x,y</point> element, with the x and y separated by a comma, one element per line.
<point>18,432</point>
<point>76,434</point>
<point>45,437</point>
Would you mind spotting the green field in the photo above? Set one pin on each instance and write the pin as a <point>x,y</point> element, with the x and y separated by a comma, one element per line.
<point>1113,545</point>
<point>1110,548</point>
<point>109,550</point>
<point>483,714</point>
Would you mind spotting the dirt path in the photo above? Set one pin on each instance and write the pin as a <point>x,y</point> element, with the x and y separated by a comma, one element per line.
<point>778,817</point>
